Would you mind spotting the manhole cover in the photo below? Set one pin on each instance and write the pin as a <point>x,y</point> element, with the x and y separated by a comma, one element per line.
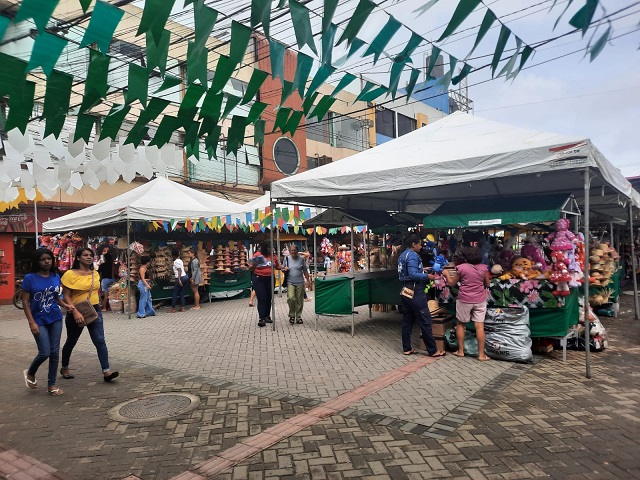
<point>150,408</point>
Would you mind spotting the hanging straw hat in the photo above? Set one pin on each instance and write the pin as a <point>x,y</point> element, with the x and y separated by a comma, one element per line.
<point>343,247</point>
<point>435,309</point>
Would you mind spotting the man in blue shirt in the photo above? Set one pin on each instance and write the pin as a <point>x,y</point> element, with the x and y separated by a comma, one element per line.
<point>412,276</point>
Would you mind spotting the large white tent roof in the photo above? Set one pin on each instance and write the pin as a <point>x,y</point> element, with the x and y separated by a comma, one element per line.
<point>458,157</point>
<point>159,199</point>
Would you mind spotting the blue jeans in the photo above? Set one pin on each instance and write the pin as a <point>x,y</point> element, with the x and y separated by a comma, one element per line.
<point>178,290</point>
<point>48,341</point>
<point>264,292</point>
<point>96,331</point>
<point>144,306</point>
<point>416,309</point>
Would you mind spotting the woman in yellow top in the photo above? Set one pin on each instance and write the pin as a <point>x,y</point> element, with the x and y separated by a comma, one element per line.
<point>76,286</point>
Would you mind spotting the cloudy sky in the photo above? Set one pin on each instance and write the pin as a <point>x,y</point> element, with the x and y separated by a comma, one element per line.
<point>598,100</point>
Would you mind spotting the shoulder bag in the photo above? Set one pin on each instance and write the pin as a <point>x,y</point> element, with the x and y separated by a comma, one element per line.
<point>406,291</point>
<point>85,307</point>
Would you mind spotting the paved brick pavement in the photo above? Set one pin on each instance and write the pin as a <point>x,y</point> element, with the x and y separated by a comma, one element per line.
<point>501,421</point>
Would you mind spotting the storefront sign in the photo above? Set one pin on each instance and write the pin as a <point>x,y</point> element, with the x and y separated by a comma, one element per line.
<point>480,223</point>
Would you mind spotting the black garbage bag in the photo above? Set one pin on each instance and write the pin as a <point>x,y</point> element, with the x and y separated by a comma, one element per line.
<point>507,334</point>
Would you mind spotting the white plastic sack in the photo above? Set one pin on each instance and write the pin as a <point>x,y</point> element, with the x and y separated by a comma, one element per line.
<point>507,334</point>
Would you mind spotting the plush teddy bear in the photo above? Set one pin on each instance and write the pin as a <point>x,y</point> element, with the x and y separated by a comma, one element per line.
<point>506,258</point>
<point>533,252</point>
<point>523,269</point>
<point>439,263</point>
<point>562,238</point>
<point>559,273</point>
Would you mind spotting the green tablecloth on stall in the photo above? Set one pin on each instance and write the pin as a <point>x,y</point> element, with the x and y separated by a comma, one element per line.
<point>333,294</point>
<point>224,282</point>
<point>613,285</point>
<point>163,290</point>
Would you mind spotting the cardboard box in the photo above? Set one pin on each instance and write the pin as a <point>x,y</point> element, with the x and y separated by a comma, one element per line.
<point>440,343</point>
<point>439,327</point>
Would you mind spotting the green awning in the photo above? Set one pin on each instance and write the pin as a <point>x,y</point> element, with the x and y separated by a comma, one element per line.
<point>499,211</point>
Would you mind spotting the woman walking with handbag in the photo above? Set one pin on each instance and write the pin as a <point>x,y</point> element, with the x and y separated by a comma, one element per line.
<point>41,298</point>
<point>80,287</point>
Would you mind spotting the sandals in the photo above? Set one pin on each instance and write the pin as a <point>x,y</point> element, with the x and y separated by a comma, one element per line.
<point>439,353</point>
<point>111,376</point>
<point>31,384</point>
<point>68,376</point>
<point>410,352</point>
<point>55,392</point>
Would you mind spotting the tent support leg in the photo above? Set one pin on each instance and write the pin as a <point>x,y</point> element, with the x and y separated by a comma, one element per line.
<point>278,250</point>
<point>273,256</point>
<point>128,268</point>
<point>587,187</point>
<point>353,283</point>
<point>315,270</point>
<point>634,265</point>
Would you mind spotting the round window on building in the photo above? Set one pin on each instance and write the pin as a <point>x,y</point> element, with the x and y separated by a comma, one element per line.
<point>286,156</point>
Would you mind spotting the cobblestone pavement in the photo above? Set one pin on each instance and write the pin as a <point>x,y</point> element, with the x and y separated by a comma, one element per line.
<point>452,418</point>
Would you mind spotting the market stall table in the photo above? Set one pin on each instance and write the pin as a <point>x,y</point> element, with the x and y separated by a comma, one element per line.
<point>225,285</point>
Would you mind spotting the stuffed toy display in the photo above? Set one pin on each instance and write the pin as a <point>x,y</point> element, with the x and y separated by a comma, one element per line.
<point>438,263</point>
<point>521,269</point>
<point>533,251</point>
<point>506,259</point>
<point>326,247</point>
<point>559,273</point>
<point>562,239</point>
<point>576,261</point>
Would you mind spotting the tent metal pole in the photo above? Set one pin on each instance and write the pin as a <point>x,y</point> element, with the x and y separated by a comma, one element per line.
<point>279,252</point>
<point>128,268</point>
<point>353,282</point>
<point>368,257</point>
<point>384,247</point>
<point>315,268</point>
<point>35,214</point>
<point>634,265</point>
<point>273,279</point>
<point>587,347</point>
<point>611,234</point>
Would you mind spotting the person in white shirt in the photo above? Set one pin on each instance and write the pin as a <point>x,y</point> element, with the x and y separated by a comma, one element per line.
<point>181,280</point>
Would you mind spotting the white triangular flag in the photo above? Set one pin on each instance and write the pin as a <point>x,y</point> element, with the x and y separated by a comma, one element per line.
<point>101,148</point>
<point>76,148</point>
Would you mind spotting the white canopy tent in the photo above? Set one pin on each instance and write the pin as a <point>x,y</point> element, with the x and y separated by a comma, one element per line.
<point>158,199</point>
<point>463,157</point>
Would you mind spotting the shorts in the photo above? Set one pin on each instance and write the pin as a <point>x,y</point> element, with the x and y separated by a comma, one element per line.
<point>105,283</point>
<point>474,312</point>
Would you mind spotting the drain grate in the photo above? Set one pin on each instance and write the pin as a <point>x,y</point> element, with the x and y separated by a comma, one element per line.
<point>155,407</point>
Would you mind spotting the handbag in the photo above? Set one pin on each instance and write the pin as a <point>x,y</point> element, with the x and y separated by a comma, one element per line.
<point>406,291</point>
<point>85,307</point>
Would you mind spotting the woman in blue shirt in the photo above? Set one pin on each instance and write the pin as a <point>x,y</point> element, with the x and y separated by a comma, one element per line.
<point>41,298</point>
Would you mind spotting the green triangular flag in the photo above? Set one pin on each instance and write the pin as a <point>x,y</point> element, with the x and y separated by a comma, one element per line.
<point>409,48</point>
<point>84,125</point>
<point>258,132</point>
<point>502,42</point>
<point>204,18</point>
<point>446,79</point>
<point>382,39</point>
<point>356,45</point>
<point>56,102</point>
<point>236,134</point>
<point>4,23</point>
<point>328,39</point>
<point>85,4</point>
<point>154,17</point>
<point>206,126</point>
<point>257,79</point>
<point>415,73</point>
<point>583,17</point>
<point>21,108</point>
<point>12,74</point>
<point>508,67</point>
<point>211,141</point>
<point>191,141</point>
<point>113,122</point>
<point>287,90</point>
<point>138,85</point>
<point>104,21</point>
<point>425,7</point>
<point>302,25</point>
<point>261,13</point>
<point>308,102</point>
<point>240,36</point>
<point>360,15</point>
<point>256,110</point>
<point>394,79</point>
<point>232,102</point>
<point>46,51</point>
<point>169,82</point>
<point>487,21</point>
<point>212,105</point>
<point>433,59</point>
<point>303,69</point>
<point>281,119</point>
<point>293,122</point>
<point>322,107</point>
<point>526,53</point>
<point>372,94</point>
<point>157,52</point>
<point>466,69</point>
<point>224,70</point>
<point>39,10</point>
<point>344,82</point>
<point>324,72</point>
<point>155,107</point>
<point>95,86</point>
<point>189,105</point>
<point>196,65</point>
<point>327,13</point>
<point>462,11</point>
<point>366,89</point>
<point>167,126</point>
<point>276,56</point>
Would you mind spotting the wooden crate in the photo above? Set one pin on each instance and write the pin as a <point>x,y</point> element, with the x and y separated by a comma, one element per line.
<point>440,342</point>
